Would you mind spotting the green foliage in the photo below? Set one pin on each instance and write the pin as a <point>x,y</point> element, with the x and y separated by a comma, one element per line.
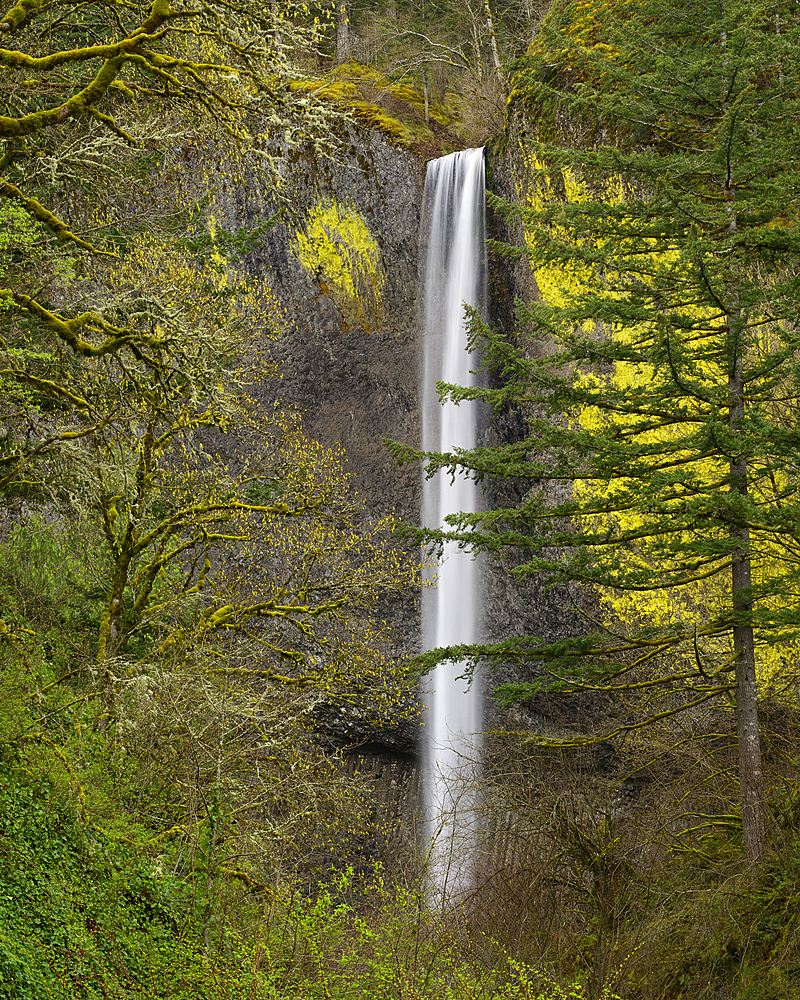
<point>165,700</point>
<point>365,937</point>
<point>79,153</point>
<point>88,913</point>
<point>62,920</point>
<point>364,113</point>
<point>18,232</point>
<point>57,585</point>
<point>656,375</point>
<point>187,743</point>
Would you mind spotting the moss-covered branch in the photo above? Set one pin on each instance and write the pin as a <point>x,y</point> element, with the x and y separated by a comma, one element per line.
<point>47,387</point>
<point>36,121</point>
<point>21,12</point>
<point>17,59</point>
<point>36,210</point>
<point>68,330</point>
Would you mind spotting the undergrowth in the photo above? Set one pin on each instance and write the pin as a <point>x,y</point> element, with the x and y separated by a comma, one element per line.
<point>84,913</point>
<point>117,880</point>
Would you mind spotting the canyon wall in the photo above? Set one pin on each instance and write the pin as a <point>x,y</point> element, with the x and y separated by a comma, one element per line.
<point>342,258</point>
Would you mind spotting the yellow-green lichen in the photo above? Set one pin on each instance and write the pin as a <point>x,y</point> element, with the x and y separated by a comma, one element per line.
<point>369,115</point>
<point>557,285</point>
<point>337,247</point>
<point>701,600</point>
<point>371,81</point>
<point>583,23</point>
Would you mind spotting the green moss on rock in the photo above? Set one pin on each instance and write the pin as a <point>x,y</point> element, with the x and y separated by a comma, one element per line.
<point>559,58</point>
<point>364,92</point>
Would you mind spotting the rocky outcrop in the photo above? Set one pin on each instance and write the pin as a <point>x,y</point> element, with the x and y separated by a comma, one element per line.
<point>341,259</point>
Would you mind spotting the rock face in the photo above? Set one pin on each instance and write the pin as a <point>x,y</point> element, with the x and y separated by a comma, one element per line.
<point>341,259</point>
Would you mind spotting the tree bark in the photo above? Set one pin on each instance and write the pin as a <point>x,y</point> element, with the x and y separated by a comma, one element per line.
<point>344,48</point>
<point>751,780</point>
<point>495,53</point>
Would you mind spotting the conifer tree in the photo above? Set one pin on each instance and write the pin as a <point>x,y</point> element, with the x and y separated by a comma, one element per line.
<point>658,373</point>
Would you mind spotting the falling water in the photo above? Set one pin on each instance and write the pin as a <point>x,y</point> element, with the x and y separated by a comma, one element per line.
<point>455,274</point>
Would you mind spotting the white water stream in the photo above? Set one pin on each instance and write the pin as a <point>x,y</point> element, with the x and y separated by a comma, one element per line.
<point>455,273</point>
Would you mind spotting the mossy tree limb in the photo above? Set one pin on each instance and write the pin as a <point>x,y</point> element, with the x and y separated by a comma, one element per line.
<point>103,67</point>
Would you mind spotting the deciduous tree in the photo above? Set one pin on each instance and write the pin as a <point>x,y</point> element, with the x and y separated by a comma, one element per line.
<point>93,101</point>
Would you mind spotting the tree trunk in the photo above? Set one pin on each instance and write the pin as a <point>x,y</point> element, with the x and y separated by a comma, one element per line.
<point>343,41</point>
<point>476,30</point>
<point>495,53</point>
<point>751,779</point>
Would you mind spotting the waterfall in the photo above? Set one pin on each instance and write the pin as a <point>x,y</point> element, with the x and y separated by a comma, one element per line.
<point>454,274</point>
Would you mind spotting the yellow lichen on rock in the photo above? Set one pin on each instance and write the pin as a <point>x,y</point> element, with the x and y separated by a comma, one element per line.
<point>558,284</point>
<point>703,600</point>
<point>337,247</point>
